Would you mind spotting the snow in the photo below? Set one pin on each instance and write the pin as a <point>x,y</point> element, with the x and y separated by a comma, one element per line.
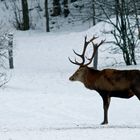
<point>40,103</point>
<point>84,134</point>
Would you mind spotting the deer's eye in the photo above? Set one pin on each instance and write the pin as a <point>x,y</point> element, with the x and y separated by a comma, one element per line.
<point>76,74</point>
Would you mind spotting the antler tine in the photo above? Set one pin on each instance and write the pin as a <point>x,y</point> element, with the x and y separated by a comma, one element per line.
<point>93,38</point>
<point>77,53</point>
<point>84,49</point>
<point>76,63</point>
<point>101,42</point>
<point>81,55</point>
<point>95,48</point>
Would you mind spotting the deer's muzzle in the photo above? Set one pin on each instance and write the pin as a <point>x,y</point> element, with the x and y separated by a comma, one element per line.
<point>71,78</point>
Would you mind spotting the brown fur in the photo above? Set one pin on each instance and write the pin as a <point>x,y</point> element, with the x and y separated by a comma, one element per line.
<point>109,83</point>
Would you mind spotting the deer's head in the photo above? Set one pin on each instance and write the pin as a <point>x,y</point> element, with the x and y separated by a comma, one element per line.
<point>83,67</point>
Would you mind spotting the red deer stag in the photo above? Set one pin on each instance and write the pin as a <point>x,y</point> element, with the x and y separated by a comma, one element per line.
<point>108,82</point>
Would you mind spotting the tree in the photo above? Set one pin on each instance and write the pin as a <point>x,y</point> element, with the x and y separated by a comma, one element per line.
<point>25,12</point>
<point>123,31</point>
<point>95,62</point>
<point>47,16</point>
<point>56,8</point>
<point>94,12</point>
<point>136,16</point>
<point>66,8</point>
<point>3,54</point>
<point>21,16</point>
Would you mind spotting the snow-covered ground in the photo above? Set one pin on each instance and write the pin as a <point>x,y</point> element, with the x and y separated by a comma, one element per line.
<point>40,103</point>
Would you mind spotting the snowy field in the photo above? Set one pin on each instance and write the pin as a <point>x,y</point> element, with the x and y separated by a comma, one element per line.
<point>40,103</point>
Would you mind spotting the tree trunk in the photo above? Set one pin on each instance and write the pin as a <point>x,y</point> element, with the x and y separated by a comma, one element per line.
<point>117,9</point>
<point>47,16</point>
<point>56,8</point>
<point>66,8</point>
<point>25,11</point>
<point>94,13</point>
<point>10,51</point>
<point>136,17</point>
<point>95,60</point>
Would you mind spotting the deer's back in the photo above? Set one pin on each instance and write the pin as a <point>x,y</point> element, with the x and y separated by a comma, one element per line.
<point>111,79</point>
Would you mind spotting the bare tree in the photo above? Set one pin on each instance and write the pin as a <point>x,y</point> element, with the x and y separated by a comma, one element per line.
<point>94,12</point>
<point>123,32</point>
<point>25,11</point>
<point>17,21</point>
<point>136,16</point>
<point>95,62</point>
<point>56,8</point>
<point>47,16</point>
<point>21,16</point>
<point>3,54</point>
<point>66,8</point>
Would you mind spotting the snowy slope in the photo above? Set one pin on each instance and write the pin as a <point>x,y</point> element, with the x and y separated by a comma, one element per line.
<point>40,102</point>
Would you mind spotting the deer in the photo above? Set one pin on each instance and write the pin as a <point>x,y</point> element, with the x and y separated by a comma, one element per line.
<point>107,82</point>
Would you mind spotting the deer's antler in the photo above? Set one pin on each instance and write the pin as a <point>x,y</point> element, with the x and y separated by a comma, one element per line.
<point>86,43</point>
<point>95,48</point>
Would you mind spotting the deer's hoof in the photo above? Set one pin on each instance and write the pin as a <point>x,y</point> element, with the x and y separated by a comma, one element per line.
<point>104,123</point>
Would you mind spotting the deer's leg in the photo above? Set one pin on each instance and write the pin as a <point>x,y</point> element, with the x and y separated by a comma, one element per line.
<point>136,91</point>
<point>138,96</point>
<point>106,103</point>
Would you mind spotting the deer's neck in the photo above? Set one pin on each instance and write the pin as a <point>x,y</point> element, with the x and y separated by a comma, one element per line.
<point>90,78</point>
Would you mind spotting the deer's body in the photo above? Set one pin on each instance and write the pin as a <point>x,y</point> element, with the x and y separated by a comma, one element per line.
<point>111,81</point>
<point>108,82</point>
